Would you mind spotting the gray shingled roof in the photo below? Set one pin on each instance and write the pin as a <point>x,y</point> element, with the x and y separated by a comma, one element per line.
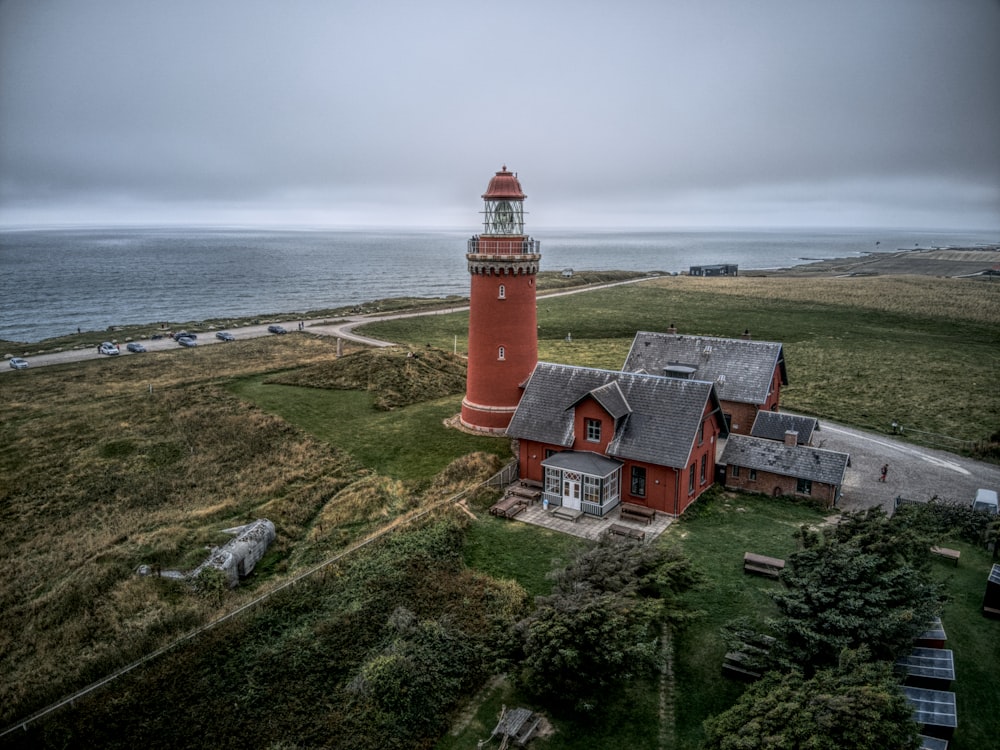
<point>660,426</point>
<point>586,462</point>
<point>799,461</point>
<point>741,369</point>
<point>773,425</point>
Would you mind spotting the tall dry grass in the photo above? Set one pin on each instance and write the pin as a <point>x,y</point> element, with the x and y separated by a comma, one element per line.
<point>111,464</point>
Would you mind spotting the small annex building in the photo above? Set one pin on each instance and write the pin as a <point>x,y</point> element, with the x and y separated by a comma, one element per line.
<point>747,374</point>
<point>784,468</point>
<point>596,438</point>
<point>773,425</point>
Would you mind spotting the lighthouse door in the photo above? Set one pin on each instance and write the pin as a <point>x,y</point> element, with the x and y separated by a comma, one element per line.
<point>571,490</point>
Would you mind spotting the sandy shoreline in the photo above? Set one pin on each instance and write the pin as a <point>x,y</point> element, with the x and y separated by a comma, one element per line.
<point>944,262</point>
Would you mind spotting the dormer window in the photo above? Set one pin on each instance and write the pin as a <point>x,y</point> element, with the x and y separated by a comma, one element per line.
<point>593,428</point>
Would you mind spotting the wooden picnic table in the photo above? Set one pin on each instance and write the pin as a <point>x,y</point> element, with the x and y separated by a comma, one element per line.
<point>762,565</point>
<point>633,512</point>
<point>508,507</point>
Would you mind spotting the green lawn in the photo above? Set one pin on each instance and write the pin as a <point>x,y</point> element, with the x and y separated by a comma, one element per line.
<point>410,444</point>
<point>715,534</point>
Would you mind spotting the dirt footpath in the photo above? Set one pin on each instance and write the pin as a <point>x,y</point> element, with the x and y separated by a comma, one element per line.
<point>914,472</point>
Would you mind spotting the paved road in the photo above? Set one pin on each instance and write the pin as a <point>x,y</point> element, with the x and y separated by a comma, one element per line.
<point>914,472</point>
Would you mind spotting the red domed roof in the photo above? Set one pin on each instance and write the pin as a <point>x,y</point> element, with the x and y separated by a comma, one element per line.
<point>504,186</point>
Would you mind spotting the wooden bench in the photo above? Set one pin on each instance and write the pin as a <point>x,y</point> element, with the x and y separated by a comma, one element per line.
<point>732,666</point>
<point>508,507</point>
<point>948,554</point>
<point>531,484</point>
<point>632,512</point>
<point>567,514</point>
<point>524,492</point>
<point>762,565</point>
<point>617,529</point>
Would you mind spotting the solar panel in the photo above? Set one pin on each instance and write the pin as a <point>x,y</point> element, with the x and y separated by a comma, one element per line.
<point>995,574</point>
<point>930,663</point>
<point>932,743</point>
<point>935,632</point>
<point>932,707</point>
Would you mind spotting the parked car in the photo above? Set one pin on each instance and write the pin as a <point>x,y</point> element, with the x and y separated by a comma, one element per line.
<point>17,363</point>
<point>108,348</point>
<point>225,336</point>
<point>187,341</point>
<point>184,335</point>
<point>135,346</point>
<point>986,500</point>
<point>276,329</point>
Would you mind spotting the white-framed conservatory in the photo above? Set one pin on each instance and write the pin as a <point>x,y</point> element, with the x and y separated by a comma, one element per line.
<point>582,480</point>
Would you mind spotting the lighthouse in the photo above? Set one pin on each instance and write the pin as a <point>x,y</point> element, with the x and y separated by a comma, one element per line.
<point>503,322</point>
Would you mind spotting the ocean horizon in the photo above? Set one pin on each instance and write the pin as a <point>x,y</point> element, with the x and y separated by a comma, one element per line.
<point>54,281</point>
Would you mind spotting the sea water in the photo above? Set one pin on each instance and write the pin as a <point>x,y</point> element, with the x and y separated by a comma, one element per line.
<point>53,282</point>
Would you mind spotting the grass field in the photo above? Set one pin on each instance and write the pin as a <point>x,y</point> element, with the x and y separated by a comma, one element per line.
<point>923,352</point>
<point>109,464</point>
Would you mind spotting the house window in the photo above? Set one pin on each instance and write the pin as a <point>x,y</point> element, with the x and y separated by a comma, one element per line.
<point>592,490</point>
<point>701,434</point>
<point>553,480</point>
<point>804,487</point>
<point>611,487</point>
<point>734,471</point>
<point>752,475</point>
<point>593,430</point>
<point>638,481</point>
<point>704,464</point>
<point>691,474</point>
<point>550,452</point>
<point>502,292</point>
<point>501,353</point>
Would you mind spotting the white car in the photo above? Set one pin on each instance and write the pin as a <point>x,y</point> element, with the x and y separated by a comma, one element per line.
<point>17,363</point>
<point>107,348</point>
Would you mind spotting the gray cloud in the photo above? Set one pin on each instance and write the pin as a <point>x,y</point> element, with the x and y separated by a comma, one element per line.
<point>655,113</point>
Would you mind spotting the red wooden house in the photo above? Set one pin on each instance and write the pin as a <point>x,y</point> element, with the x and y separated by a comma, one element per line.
<point>597,438</point>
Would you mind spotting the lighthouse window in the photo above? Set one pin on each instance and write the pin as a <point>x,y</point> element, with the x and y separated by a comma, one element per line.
<point>502,294</point>
<point>500,353</point>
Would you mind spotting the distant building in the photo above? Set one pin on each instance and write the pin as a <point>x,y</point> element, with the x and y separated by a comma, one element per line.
<point>720,269</point>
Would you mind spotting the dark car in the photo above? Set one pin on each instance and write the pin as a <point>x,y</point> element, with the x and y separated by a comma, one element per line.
<point>276,329</point>
<point>135,346</point>
<point>186,341</point>
<point>225,336</point>
<point>184,335</point>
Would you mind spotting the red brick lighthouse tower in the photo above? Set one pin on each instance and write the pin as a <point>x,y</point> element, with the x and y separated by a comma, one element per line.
<point>503,321</point>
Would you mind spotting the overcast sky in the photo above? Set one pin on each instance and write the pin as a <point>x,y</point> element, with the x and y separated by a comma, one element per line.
<point>663,113</point>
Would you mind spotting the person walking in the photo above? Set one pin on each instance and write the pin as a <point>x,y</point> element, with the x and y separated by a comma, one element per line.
<point>885,471</point>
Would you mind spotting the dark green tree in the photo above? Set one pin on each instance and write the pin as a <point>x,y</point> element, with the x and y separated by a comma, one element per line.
<point>601,625</point>
<point>862,583</point>
<point>857,704</point>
